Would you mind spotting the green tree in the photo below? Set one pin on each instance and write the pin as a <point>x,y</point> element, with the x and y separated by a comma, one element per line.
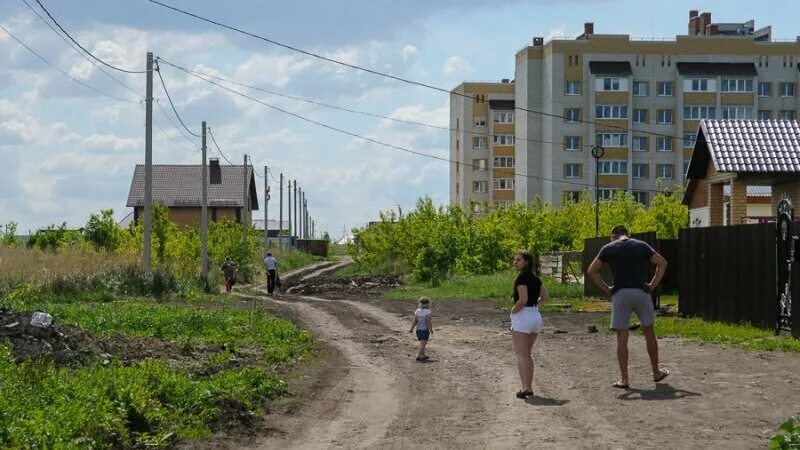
<point>102,231</point>
<point>9,236</point>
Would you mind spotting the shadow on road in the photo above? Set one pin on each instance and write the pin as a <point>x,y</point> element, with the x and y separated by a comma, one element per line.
<point>544,401</point>
<point>660,392</point>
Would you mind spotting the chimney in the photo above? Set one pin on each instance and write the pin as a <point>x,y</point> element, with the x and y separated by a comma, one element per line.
<point>588,28</point>
<point>693,13</point>
<point>538,41</point>
<point>214,171</point>
<point>505,80</point>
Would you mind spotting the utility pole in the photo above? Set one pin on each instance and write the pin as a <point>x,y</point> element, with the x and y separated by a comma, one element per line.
<point>313,231</point>
<point>302,228</point>
<point>280,214</point>
<point>289,208</point>
<point>296,216</point>
<point>305,202</point>
<point>204,215</point>
<point>245,203</point>
<point>148,163</point>
<point>266,207</point>
<point>305,216</point>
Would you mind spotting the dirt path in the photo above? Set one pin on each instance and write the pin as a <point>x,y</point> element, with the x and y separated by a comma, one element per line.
<point>379,397</point>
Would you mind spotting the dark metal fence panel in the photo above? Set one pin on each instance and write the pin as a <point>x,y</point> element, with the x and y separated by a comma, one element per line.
<point>728,273</point>
<point>668,248</point>
<point>592,246</point>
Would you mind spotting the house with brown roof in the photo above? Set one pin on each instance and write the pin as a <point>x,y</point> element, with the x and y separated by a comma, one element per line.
<point>739,163</point>
<point>178,187</point>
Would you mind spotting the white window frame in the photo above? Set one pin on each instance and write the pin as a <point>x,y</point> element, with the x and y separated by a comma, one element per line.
<point>661,144</point>
<point>606,194</point>
<point>480,121</point>
<point>697,112</point>
<point>689,139</point>
<point>613,167</point>
<point>646,144</point>
<point>769,114</point>
<point>661,176</point>
<point>611,84</point>
<point>639,110</point>
<point>737,112</point>
<point>671,117</point>
<point>637,197</point>
<point>766,84</point>
<point>569,119</point>
<point>611,112</point>
<point>567,143</point>
<point>784,112</point>
<point>636,92</point>
<point>568,173</point>
<point>570,84</point>
<point>784,85</point>
<point>503,140</point>
<point>612,139</point>
<point>737,85</point>
<point>699,84</point>
<point>660,87</point>
<point>480,164</point>
<point>504,161</point>
<point>503,184</point>
<point>479,142</point>
<point>571,196</point>
<point>503,117</point>
<point>478,185</point>
<point>640,176</point>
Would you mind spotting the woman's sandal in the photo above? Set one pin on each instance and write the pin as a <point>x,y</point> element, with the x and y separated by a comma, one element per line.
<point>620,385</point>
<point>524,394</point>
<point>662,374</point>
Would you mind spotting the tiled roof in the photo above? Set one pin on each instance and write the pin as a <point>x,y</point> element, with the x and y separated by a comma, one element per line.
<point>179,186</point>
<point>610,68</point>
<point>752,191</point>
<point>753,146</point>
<point>713,69</point>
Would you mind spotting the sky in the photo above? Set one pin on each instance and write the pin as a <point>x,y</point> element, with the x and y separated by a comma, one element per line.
<point>67,150</point>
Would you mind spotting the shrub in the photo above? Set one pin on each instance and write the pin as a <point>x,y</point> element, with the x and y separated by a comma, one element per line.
<point>788,436</point>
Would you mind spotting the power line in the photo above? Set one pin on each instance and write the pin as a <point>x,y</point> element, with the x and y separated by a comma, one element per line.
<point>219,150</point>
<point>164,112</point>
<point>390,76</point>
<point>178,116</point>
<point>376,141</point>
<point>81,47</point>
<point>87,86</point>
<point>99,67</point>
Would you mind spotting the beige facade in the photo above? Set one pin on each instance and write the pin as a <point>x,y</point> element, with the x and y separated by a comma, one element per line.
<point>662,104</point>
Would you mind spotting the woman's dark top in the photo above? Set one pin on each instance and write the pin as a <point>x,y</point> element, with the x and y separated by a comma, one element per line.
<point>534,287</point>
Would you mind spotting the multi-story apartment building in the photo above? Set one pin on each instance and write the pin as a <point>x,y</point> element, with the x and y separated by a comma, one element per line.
<point>641,100</point>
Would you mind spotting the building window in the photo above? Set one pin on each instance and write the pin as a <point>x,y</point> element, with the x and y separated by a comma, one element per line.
<point>572,196</point>
<point>764,114</point>
<point>664,116</point>
<point>787,115</point>
<point>740,85</point>
<point>606,193</point>
<point>612,139</point>
<point>477,208</point>
<point>611,84</point>
<point>503,203</point>
<point>503,139</point>
<point>640,171</point>
<point>698,85</point>
<point>640,144</point>
<point>478,164</point>
<point>663,144</point>
<point>640,116</point>
<point>664,171</point>
<point>611,112</point>
<point>572,115</point>
<point>664,88</point>
<point>479,187</point>
<point>573,88</point>
<point>640,197</point>
<point>787,89</point>
<point>737,112</point>
<point>613,168</point>
<point>699,112</point>
<point>573,170</point>
<point>640,88</point>
<point>572,143</point>
<point>504,161</point>
<point>689,140</point>
<point>480,121</point>
<point>503,184</point>
<point>503,117</point>
<point>478,142</point>
<point>764,89</point>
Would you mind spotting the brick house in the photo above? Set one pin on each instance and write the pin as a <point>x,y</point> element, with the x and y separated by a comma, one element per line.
<point>178,187</point>
<point>747,160</point>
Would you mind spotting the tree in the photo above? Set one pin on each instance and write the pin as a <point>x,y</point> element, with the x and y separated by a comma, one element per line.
<point>102,231</point>
<point>326,236</point>
<point>9,238</point>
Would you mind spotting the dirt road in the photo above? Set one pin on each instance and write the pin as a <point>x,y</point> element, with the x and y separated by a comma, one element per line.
<point>366,390</point>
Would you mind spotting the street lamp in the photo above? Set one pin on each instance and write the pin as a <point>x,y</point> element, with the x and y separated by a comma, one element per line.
<point>597,152</point>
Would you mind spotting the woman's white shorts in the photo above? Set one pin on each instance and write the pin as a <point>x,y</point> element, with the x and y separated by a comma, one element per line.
<point>527,321</point>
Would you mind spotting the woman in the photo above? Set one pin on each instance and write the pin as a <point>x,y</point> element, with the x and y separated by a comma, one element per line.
<point>526,322</point>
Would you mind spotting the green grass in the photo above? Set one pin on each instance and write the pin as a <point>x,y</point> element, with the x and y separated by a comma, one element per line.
<point>741,335</point>
<point>356,270</point>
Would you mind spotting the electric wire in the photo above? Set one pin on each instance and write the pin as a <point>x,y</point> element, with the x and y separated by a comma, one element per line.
<point>219,150</point>
<point>169,98</point>
<point>82,47</point>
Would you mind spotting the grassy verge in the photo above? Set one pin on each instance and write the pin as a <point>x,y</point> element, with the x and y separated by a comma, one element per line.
<point>150,402</point>
<point>742,335</point>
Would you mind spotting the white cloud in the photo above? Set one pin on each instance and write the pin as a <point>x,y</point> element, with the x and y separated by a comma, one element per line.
<point>277,70</point>
<point>456,65</point>
<point>558,32</point>
<point>409,51</point>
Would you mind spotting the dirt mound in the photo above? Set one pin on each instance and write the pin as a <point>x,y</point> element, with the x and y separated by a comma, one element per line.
<point>335,287</point>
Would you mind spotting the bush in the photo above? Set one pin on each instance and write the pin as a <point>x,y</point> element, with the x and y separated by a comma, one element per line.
<point>788,437</point>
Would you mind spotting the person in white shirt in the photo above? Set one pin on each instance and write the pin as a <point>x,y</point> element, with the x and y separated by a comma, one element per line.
<point>271,265</point>
<point>422,321</point>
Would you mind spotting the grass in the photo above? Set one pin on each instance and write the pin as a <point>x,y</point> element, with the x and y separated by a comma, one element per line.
<point>738,335</point>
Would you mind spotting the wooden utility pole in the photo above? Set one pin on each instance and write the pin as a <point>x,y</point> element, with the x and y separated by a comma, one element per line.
<point>204,214</point>
<point>148,164</point>
<point>280,214</point>
<point>289,208</point>
<point>266,207</point>
<point>245,203</point>
<point>296,222</point>
<point>302,225</point>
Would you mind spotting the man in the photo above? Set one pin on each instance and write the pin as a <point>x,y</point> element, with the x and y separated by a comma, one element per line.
<point>630,293</point>
<point>229,272</point>
<point>271,265</point>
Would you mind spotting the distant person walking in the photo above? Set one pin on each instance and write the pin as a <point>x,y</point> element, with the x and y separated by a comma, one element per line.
<point>229,269</point>
<point>526,322</point>
<point>630,293</point>
<point>422,322</point>
<point>271,264</point>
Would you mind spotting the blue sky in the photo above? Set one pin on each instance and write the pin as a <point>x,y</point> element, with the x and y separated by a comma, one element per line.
<point>68,151</point>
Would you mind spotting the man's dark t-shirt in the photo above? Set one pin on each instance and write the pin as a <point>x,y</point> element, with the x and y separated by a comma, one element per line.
<point>628,259</point>
<point>534,285</point>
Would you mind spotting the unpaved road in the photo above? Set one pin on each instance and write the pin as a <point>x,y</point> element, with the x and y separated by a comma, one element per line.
<point>366,390</point>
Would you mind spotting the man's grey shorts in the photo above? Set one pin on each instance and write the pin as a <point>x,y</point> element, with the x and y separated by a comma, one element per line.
<point>626,301</point>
